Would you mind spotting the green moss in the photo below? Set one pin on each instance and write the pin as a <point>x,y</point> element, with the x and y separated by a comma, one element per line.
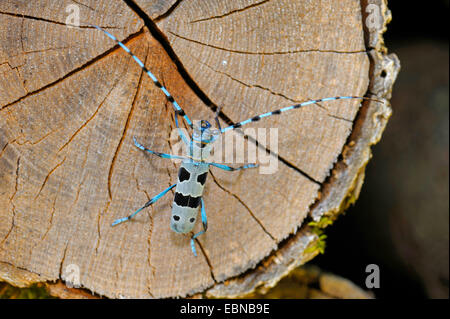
<point>318,229</point>
<point>36,291</point>
<point>321,224</point>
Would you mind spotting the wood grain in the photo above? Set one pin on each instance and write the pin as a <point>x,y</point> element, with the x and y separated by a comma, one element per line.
<point>71,102</point>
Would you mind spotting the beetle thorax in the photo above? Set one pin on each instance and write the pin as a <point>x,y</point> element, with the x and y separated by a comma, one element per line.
<point>200,152</point>
<point>202,141</point>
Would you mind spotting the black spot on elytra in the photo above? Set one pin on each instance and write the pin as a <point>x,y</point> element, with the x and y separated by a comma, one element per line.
<point>181,200</point>
<point>194,202</point>
<point>176,217</point>
<point>202,178</point>
<point>183,175</point>
<point>187,201</point>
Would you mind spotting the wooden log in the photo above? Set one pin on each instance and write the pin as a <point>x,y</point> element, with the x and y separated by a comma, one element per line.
<point>71,101</point>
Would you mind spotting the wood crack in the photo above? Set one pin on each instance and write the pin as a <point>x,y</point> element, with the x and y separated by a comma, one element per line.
<point>149,251</point>
<point>62,261</point>
<point>51,216</point>
<point>266,53</point>
<point>269,90</point>
<point>208,262</point>
<point>12,226</point>
<point>21,34</point>
<point>99,237</point>
<point>245,84</point>
<point>42,50</point>
<point>127,123</point>
<point>48,176</point>
<point>162,39</point>
<point>281,159</point>
<point>16,69</point>
<point>82,180</point>
<point>84,5</point>
<point>24,16</point>
<point>16,187</point>
<point>150,232</point>
<point>245,206</point>
<point>4,147</point>
<point>91,117</point>
<point>74,71</point>
<point>34,142</point>
<point>168,12</point>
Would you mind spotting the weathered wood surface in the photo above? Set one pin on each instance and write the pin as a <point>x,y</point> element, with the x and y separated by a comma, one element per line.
<point>71,101</point>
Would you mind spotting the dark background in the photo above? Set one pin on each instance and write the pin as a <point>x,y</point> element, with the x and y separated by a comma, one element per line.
<point>401,220</point>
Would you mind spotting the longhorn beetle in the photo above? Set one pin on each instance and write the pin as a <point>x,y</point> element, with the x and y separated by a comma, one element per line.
<point>195,166</point>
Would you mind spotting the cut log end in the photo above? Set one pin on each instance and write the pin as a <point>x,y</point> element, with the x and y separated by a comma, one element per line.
<point>71,101</point>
